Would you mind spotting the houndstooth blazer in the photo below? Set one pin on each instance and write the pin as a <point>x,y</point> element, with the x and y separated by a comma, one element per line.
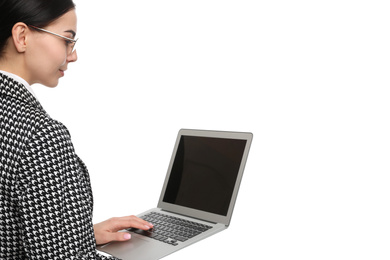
<point>45,192</point>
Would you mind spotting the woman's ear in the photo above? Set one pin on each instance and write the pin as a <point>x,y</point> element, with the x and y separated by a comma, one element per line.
<point>19,36</point>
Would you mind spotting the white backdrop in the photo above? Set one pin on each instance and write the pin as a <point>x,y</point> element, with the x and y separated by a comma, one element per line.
<point>310,79</point>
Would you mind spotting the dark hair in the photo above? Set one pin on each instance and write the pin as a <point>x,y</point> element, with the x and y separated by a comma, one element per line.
<point>39,13</point>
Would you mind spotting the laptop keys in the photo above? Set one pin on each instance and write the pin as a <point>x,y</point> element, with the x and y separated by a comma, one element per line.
<point>170,229</point>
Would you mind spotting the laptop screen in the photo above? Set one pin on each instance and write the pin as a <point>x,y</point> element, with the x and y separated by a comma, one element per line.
<point>204,173</point>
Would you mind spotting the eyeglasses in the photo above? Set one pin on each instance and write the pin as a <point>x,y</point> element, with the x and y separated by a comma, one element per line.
<point>70,43</point>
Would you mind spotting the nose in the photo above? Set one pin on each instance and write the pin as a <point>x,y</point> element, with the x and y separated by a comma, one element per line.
<point>72,57</point>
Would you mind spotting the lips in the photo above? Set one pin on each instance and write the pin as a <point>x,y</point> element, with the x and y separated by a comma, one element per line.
<point>62,73</point>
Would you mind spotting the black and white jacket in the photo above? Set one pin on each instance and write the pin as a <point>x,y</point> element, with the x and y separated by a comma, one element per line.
<point>45,193</point>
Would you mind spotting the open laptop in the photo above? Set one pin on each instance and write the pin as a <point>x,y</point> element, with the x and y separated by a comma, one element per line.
<point>197,198</point>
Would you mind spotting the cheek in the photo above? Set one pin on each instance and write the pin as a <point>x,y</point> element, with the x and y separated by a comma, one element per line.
<point>51,50</point>
<point>51,60</point>
<point>55,55</point>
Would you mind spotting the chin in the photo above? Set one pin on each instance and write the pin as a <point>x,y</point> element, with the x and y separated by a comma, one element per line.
<point>51,84</point>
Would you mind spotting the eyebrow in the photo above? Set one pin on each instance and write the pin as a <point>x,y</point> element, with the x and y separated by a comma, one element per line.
<point>72,32</point>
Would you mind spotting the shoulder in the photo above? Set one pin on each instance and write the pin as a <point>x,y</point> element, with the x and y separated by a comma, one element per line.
<point>24,125</point>
<point>20,120</point>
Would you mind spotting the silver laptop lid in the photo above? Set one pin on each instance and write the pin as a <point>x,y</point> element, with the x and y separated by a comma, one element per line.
<point>204,174</point>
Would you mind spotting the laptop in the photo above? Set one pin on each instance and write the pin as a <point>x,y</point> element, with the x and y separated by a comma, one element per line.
<point>197,197</point>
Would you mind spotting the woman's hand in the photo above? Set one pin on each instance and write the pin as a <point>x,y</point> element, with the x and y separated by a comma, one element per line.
<point>107,231</point>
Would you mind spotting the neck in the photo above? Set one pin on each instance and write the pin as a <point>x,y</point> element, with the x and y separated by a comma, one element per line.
<point>15,67</point>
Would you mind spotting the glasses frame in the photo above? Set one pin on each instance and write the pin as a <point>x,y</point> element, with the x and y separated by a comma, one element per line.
<point>58,35</point>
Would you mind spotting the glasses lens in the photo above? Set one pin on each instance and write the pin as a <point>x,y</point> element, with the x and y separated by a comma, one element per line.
<point>71,48</point>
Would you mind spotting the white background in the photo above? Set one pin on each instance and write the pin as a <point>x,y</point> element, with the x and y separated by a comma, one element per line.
<point>310,79</point>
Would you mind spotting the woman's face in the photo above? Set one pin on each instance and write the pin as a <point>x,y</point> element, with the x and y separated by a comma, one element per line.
<point>47,58</point>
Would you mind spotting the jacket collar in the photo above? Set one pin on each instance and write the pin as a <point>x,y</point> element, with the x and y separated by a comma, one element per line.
<point>12,88</point>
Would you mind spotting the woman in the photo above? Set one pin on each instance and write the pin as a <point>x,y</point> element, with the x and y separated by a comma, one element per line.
<point>45,193</point>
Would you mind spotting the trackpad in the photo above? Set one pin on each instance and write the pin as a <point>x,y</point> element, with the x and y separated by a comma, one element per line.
<point>121,249</point>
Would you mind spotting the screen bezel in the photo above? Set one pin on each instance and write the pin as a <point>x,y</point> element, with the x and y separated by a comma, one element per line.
<point>199,214</point>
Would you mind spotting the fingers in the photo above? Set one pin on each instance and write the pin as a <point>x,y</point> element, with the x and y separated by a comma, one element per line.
<point>115,236</point>
<point>130,222</point>
<point>136,222</point>
<point>120,236</point>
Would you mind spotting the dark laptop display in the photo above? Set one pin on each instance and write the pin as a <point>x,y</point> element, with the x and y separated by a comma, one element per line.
<point>204,173</point>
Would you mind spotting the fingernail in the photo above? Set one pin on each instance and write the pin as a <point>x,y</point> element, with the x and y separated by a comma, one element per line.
<point>127,236</point>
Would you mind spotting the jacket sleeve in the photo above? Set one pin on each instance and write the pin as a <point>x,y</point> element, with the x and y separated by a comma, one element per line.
<point>55,198</point>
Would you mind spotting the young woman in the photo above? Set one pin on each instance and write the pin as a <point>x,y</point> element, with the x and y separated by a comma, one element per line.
<point>45,194</point>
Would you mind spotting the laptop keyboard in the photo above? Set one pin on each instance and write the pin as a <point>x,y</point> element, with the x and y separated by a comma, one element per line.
<point>169,229</point>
